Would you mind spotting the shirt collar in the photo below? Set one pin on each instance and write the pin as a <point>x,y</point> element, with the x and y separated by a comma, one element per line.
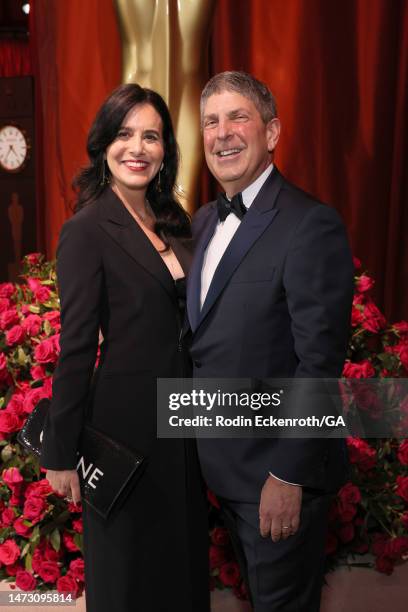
<point>249,193</point>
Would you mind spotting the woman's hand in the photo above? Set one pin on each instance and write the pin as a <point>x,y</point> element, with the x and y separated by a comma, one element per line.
<point>66,483</point>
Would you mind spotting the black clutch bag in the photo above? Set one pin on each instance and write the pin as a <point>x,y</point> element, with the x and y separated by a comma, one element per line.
<point>105,467</point>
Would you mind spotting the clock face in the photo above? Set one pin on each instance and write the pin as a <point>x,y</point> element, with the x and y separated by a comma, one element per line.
<point>13,148</point>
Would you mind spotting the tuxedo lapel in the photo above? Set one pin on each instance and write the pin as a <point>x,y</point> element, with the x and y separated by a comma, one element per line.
<point>194,277</point>
<point>116,221</point>
<point>259,216</point>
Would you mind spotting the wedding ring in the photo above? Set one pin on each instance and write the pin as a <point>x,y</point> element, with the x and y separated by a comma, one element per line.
<point>284,527</point>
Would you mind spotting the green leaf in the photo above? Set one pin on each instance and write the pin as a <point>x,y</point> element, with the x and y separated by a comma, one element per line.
<point>22,358</point>
<point>35,538</point>
<point>78,540</point>
<point>25,550</point>
<point>55,539</point>
<point>29,562</point>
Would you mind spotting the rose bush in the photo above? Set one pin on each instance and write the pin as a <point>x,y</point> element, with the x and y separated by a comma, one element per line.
<point>41,534</point>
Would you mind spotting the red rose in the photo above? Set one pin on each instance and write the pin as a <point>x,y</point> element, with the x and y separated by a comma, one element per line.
<point>402,351</point>
<point>7,290</point>
<point>397,548</point>
<point>37,560</point>
<point>39,487</point>
<point>357,263</point>
<point>25,581</point>
<point>69,543</point>
<point>49,571</point>
<point>15,335</point>
<point>9,422</point>
<point>77,569</point>
<point>9,552</point>
<point>403,452</point>
<point>220,537</point>
<point>364,369</point>
<point>3,366</point>
<point>21,527</point>
<point>77,525</point>
<point>33,283</point>
<point>32,324</point>
<point>12,477</point>
<point>346,512</point>
<point>45,351</point>
<point>364,283</point>
<point>361,454</point>
<point>47,387</point>
<point>5,304</point>
<point>11,570</point>
<point>401,328</point>
<point>374,320</point>
<point>67,584</point>
<point>384,565</point>
<point>356,317</point>
<point>74,507</point>
<point>229,574</point>
<point>350,494</point>
<point>16,405</point>
<point>34,508</point>
<point>32,397</point>
<point>33,259</point>
<point>7,517</point>
<point>402,487</point>
<point>8,318</point>
<point>217,556</point>
<point>346,532</point>
<point>54,317</point>
<point>38,372</point>
<point>16,498</point>
<point>42,294</point>
<point>50,554</point>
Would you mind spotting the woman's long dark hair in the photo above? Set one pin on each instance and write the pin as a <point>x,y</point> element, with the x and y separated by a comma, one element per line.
<point>171,218</point>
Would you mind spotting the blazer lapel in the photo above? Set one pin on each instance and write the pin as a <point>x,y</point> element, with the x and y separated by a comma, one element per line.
<point>125,231</point>
<point>259,216</point>
<point>194,277</point>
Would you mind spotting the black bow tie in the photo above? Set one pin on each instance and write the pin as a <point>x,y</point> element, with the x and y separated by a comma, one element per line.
<point>225,207</point>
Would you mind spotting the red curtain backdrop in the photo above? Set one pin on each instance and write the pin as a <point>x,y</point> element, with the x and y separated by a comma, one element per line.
<point>15,59</point>
<point>339,73</point>
<point>77,62</point>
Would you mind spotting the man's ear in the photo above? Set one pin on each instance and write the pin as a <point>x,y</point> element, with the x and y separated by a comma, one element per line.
<point>272,133</point>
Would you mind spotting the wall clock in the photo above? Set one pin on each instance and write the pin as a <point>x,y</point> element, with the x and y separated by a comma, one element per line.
<point>14,148</point>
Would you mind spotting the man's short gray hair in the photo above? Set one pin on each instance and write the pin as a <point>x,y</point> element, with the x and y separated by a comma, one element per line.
<point>246,85</point>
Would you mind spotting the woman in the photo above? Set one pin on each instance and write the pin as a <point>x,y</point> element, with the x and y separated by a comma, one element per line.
<point>120,264</point>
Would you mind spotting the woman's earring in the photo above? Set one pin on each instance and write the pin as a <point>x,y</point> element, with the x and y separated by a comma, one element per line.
<point>158,181</point>
<point>105,177</point>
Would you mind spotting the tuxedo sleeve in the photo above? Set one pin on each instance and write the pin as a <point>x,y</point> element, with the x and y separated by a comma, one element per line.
<point>79,273</point>
<point>318,281</point>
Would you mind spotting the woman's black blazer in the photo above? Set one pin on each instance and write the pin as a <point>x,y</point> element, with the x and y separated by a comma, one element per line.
<point>111,278</point>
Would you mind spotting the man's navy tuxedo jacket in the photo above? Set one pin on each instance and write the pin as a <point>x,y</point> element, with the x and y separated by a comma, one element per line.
<point>278,306</point>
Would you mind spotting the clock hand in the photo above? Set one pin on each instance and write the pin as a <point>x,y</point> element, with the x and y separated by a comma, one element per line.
<point>8,152</point>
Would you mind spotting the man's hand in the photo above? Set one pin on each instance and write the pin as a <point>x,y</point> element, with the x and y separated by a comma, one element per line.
<point>279,509</point>
<point>66,483</point>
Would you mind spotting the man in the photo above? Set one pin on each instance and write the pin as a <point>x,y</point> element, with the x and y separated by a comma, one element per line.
<point>269,295</point>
